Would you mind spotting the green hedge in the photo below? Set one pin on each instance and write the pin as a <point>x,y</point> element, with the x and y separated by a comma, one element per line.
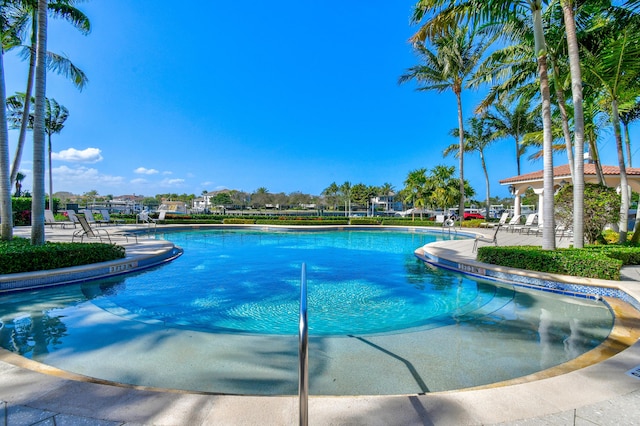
<point>409,222</point>
<point>18,255</point>
<point>238,221</point>
<point>576,262</point>
<point>301,222</point>
<point>364,221</point>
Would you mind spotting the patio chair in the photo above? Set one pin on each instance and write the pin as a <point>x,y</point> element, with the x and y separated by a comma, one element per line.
<point>482,238</point>
<point>515,221</point>
<point>88,214</point>
<point>99,234</point>
<point>501,222</point>
<point>73,217</point>
<point>531,218</point>
<point>49,219</point>
<point>106,216</point>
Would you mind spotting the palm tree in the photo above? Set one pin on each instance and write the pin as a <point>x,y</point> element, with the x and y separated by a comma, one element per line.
<point>25,12</point>
<point>443,187</point>
<point>37,202</point>
<point>515,123</point>
<point>415,189</point>
<point>446,14</point>
<point>477,138</point>
<point>626,118</point>
<point>614,69</point>
<point>19,178</point>
<point>386,190</point>
<point>6,219</point>
<point>55,116</point>
<point>449,66</point>
<point>331,194</point>
<point>345,192</point>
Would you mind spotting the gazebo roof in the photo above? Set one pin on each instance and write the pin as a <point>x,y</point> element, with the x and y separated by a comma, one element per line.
<point>564,172</point>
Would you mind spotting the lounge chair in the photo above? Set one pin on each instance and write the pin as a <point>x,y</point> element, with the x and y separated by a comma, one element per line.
<point>144,217</point>
<point>106,216</point>
<point>501,222</point>
<point>531,218</point>
<point>73,217</point>
<point>49,219</point>
<point>515,221</point>
<point>482,238</point>
<point>88,214</point>
<point>99,234</point>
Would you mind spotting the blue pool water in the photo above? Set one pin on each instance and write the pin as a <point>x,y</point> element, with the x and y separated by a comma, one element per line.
<point>249,281</point>
<point>223,318</point>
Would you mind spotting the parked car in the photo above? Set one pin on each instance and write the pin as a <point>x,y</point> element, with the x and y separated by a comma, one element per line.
<point>472,215</point>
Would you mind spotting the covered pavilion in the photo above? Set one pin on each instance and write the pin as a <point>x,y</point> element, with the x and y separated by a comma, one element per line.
<point>562,176</point>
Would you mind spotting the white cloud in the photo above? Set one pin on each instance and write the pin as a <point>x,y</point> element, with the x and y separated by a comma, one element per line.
<point>82,179</point>
<point>172,182</point>
<point>139,181</point>
<point>167,173</point>
<point>89,155</point>
<point>145,171</point>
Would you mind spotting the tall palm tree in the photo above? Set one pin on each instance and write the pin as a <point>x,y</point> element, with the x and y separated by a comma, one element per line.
<point>449,66</point>
<point>441,15</point>
<point>37,202</point>
<point>55,116</point>
<point>6,219</point>
<point>25,11</point>
<point>478,137</point>
<point>615,68</point>
<point>627,117</point>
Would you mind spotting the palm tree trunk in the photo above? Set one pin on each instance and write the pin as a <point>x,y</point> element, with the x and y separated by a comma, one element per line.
<point>518,155</point>
<point>6,215</point>
<point>37,203</point>
<point>566,133</point>
<point>624,184</point>
<point>548,229</point>
<point>486,179</point>
<point>50,173</point>
<point>578,121</point>
<point>15,168</point>
<point>461,155</point>
<point>627,143</point>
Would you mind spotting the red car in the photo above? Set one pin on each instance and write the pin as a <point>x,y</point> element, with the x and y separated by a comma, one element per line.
<point>468,216</point>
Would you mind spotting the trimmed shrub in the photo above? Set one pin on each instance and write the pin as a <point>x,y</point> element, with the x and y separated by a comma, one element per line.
<point>302,222</point>
<point>364,221</point>
<point>18,255</point>
<point>408,222</point>
<point>575,262</point>
<point>238,221</point>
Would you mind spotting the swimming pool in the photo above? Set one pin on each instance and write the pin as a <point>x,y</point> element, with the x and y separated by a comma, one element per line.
<point>223,318</point>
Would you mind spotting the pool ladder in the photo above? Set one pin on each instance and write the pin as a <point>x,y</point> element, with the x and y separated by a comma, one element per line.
<point>303,352</point>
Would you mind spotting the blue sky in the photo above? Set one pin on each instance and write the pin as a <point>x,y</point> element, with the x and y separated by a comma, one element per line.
<point>286,95</point>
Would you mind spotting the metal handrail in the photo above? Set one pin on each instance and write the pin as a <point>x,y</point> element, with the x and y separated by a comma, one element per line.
<point>303,352</point>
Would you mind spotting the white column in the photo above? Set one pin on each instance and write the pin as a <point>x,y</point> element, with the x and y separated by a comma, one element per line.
<point>540,204</point>
<point>516,203</point>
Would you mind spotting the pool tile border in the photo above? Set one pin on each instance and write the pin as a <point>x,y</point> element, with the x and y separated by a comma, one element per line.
<point>162,253</point>
<point>552,283</point>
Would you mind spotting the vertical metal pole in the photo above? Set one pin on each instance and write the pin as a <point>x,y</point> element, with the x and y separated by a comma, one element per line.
<point>303,352</point>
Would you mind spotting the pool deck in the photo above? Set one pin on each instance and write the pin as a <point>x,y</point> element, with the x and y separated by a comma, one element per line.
<point>600,394</point>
